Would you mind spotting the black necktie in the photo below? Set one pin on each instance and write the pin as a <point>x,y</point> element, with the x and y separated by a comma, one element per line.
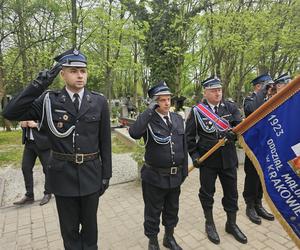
<point>76,102</point>
<point>216,109</point>
<point>168,122</point>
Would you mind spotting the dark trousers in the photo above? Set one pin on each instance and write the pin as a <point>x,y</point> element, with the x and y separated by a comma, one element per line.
<point>159,201</point>
<point>252,187</point>
<point>78,221</point>
<point>30,153</point>
<point>228,179</point>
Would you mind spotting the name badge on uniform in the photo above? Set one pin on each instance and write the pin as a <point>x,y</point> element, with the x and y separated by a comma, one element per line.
<point>224,116</point>
<point>60,111</point>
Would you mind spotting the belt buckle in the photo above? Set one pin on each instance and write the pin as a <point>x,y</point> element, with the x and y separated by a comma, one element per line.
<point>79,158</point>
<point>173,170</point>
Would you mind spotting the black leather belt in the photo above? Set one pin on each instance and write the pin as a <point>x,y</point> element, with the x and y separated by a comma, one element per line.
<point>170,170</point>
<point>30,141</point>
<point>77,158</point>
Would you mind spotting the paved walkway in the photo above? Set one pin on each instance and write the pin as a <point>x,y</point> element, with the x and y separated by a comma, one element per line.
<point>120,219</point>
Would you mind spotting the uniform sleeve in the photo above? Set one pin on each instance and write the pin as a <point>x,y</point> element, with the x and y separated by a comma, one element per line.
<point>138,129</point>
<point>251,104</point>
<point>186,157</point>
<point>28,105</point>
<point>105,142</point>
<point>247,105</point>
<point>191,134</point>
<point>236,115</point>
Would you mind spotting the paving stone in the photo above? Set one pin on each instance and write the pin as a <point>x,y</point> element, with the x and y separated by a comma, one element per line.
<point>120,222</point>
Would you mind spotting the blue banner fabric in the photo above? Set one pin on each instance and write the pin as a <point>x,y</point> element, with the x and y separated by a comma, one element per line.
<point>273,145</point>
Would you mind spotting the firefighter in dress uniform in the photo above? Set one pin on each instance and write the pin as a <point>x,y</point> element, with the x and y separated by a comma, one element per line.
<point>78,128</point>
<point>36,145</point>
<point>282,81</point>
<point>165,167</point>
<point>263,86</point>
<point>207,123</point>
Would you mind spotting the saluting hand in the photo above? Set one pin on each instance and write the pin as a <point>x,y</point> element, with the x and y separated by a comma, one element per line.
<point>153,104</point>
<point>46,77</point>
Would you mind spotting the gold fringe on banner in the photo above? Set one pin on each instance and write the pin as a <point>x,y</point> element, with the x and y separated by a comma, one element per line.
<point>275,211</point>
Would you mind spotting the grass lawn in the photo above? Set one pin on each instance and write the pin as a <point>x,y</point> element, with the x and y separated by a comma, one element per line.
<point>11,148</point>
<point>118,147</point>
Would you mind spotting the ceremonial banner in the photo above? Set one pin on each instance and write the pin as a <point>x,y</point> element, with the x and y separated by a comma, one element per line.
<point>271,139</point>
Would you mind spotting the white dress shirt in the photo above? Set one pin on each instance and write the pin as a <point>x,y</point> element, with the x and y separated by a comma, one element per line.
<point>71,94</point>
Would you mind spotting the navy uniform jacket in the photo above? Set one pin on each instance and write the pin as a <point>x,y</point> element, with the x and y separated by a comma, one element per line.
<point>92,134</point>
<point>157,155</point>
<point>254,101</point>
<point>200,141</point>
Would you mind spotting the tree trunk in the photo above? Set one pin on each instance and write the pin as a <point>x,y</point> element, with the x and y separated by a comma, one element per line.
<point>74,24</point>
<point>22,42</point>
<point>135,73</point>
<point>108,79</point>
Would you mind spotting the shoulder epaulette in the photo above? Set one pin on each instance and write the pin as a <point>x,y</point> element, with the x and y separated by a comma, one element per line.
<point>96,93</point>
<point>51,91</point>
<point>175,114</point>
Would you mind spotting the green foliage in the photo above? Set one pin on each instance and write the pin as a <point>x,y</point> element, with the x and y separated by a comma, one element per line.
<point>130,46</point>
<point>138,153</point>
<point>116,111</point>
<point>238,41</point>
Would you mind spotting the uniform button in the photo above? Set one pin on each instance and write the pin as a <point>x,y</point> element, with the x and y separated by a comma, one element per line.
<point>77,134</point>
<point>78,148</point>
<point>94,117</point>
<point>77,121</point>
<point>173,162</point>
<point>170,133</point>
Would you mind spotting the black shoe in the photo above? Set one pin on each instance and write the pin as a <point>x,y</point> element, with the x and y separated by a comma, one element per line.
<point>236,232</point>
<point>153,244</point>
<point>212,233</point>
<point>170,242</point>
<point>252,215</point>
<point>45,199</point>
<point>24,200</point>
<point>262,212</point>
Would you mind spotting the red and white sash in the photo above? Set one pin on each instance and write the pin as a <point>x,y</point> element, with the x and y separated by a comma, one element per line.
<point>220,123</point>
